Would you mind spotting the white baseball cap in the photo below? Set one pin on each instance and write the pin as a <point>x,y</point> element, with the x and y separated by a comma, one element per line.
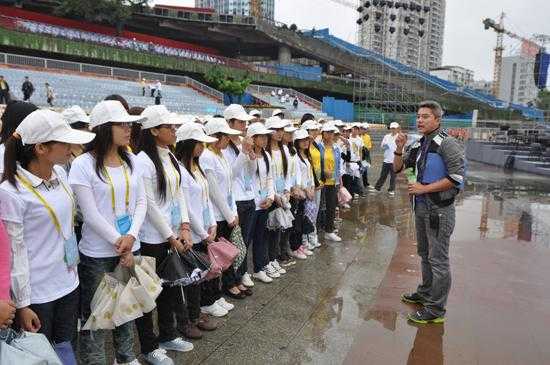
<point>394,125</point>
<point>111,111</point>
<point>236,111</point>
<point>300,134</point>
<point>255,113</point>
<point>310,124</point>
<point>275,123</point>
<point>177,119</point>
<point>193,131</point>
<point>75,114</point>
<point>365,125</point>
<point>348,126</point>
<point>277,111</point>
<point>329,127</point>
<point>219,125</point>
<point>290,129</point>
<point>338,123</point>
<point>45,125</point>
<point>256,129</point>
<point>157,115</point>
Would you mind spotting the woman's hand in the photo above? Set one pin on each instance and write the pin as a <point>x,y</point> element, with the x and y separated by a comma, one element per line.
<point>7,313</point>
<point>28,320</point>
<point>211,234</point>
<point>124,244</point>
<point>127,259</point>
<point>235,222</point>
<point>266,204</point>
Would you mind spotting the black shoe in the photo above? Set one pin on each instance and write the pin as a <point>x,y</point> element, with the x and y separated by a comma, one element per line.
<point>248,292</point>
<point>239,296</point>
<point>413,298</point>
<point>424,316</point>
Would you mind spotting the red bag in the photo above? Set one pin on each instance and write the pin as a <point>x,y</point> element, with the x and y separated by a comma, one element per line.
<point>221,255</point>
<point>344,196</point>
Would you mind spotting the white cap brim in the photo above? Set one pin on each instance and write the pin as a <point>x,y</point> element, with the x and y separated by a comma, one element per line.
<point>74,136</point>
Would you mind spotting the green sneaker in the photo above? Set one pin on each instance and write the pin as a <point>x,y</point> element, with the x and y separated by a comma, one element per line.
<point>413,298</point>
<point>423,316</point>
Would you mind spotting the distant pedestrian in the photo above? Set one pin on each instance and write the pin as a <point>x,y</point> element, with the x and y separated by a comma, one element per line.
<point>49,94</point>
<point>157,96</point>
<point>143,86</point>
<point>27,88</point>
<point>4,91</point>
<point>295,103</point>
<point>388,145</point>
<point>436,163</point>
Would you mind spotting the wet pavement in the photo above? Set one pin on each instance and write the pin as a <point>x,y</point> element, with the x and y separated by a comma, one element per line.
<point>342,305</point>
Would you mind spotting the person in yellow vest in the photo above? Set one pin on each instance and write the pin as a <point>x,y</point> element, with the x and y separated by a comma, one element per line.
<point>4,91</point>
<point>367,147</point>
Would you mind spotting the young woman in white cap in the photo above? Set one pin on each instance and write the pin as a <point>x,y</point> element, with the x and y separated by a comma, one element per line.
<point>189,147</point>
<point>316,154</point>
<point>219,174</point>
<point>304,220</point>
<point>332,161</point>
<point>77,119</point>
<point>236,154</point>
<point>112,198</point>
<point>38,209</point>
<point>264,194</point>
<point>277,238</point>
<point>166,226</point>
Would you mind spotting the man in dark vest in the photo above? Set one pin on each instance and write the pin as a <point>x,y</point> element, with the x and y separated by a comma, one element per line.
<point>434,166</point>
<point>27,88</point>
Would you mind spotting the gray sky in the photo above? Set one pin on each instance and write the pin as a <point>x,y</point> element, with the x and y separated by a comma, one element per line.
<point>466,42</point>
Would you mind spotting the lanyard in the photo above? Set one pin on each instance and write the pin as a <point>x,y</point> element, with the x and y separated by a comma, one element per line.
<point>172,191</point>
<point>126,178</point>
<point>226,166</point>
<point>203,183</point>
<point>51,212</point>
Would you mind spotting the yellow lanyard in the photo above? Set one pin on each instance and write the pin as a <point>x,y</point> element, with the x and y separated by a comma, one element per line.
<point>27,184</point>
<point>127,178</point>
<point>172,191</point>
<point>203,183</point>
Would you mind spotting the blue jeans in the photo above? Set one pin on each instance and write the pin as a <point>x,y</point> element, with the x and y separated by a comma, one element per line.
<point>260,254</point>
<point>92,344</point>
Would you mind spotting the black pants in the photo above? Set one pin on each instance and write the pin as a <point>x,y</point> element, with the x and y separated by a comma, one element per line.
<point>331,200</point>
<point>274,244</point>
<point>49,101</point>
<point>348,182</point>
<point>169,302</point>
<point>58,318</point>
<point>301,224</point>
<point>157,100</point>
<point>143,91</point>
<point>365,176</point>
<point>260,254</point>
<point>211,289</point>
<point>387,168</point>
<point>229,276</point>
<point>26,95</point>
<point>4,97</point>
<point>246,210</point>
<point>153,92</point>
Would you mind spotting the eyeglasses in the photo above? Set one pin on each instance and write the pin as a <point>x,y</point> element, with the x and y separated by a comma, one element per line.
<point>168,126</point>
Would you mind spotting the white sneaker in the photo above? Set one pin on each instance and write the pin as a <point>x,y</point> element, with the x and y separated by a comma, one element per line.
<point>262,276</point>
<point>247,281</point>
<point>332,237</point>
<point>373,190</point>
<point>346,206</point>
<point>298,255</point>
<point>135,362</point>
<point>314,240</point>
<point>392,193</point>
<point>306,251</point>
<point>278,267</point>
<point>271,271</point>
<point>177,344</point>
<point>158,357</point>
<point>215,310</point>
<point>225,304</point>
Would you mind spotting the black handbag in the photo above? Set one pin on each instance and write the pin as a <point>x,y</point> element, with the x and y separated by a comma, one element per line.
<point>173,271</point>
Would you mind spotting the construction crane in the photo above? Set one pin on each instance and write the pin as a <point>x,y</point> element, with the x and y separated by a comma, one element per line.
<point>538,39</point>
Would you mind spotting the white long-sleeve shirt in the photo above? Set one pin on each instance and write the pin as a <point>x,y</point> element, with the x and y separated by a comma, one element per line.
<point>243,169</point>
<point>389,147</point>
<point>201,211</point>
<point>306,173</point>
<point>262,181</point>
<point>39,273</point>
<point>157,226</point>
<point>99,233</point>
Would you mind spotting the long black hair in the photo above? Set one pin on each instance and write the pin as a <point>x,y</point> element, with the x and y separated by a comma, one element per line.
<point>308,157</point>
<point>148,145</point>
<point>232,145</point>
<point>283,154</point>
<point>13,115</point>
<point>101,145</point>
<point>17,152</point>
<point>135,132</point>
<point>184,154</point>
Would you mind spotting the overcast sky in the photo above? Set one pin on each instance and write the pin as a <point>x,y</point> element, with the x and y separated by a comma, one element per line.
<point>466,44</point>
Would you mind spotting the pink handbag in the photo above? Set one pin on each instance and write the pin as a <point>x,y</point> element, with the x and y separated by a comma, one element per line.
<point>221,255</point>
<point>344,196</point>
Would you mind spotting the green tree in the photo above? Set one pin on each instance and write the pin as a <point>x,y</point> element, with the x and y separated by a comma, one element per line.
<point>220,81</point>
<point>543,100</point>
<point>114,12</point>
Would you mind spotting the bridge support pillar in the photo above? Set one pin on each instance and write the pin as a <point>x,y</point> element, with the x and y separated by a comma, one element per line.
<point>285,56</point>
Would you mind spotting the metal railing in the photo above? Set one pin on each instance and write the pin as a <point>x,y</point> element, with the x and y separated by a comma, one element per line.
<point>115,72</point>
<point>260,89</point>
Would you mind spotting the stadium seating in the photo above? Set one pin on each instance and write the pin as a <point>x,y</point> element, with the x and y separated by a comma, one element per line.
<point>87,91</point>
<point>445,85</point>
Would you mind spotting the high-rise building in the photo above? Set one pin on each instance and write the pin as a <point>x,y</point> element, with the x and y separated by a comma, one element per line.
<point>457,74</point>
<point>237,7</point>
<point>517,82</point>
<point>410,32</point>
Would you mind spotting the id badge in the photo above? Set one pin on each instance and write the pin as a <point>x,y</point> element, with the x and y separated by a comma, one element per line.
<point>263,195</point>
<point>247,183</point>
<point>280,184</point>
<point>123,224</point>
<point>175,215</point>
<point>72,258</point>
<point>206,217</point>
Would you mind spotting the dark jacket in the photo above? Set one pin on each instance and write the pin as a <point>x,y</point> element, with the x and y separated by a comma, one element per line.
<point>27,87</point>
